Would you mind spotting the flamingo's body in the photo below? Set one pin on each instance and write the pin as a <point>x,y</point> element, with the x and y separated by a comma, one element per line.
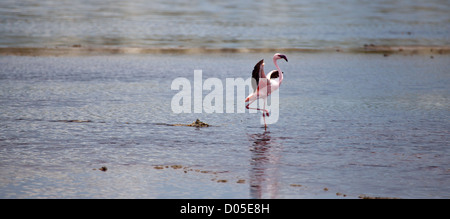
<point>265,85</point>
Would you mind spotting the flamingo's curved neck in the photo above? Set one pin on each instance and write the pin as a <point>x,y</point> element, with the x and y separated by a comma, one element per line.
<point>280,73</point>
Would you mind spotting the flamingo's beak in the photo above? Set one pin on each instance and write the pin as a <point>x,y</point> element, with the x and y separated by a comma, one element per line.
<point>284,57</point>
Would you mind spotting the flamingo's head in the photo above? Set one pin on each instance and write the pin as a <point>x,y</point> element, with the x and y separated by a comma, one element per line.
<point>279,56</point>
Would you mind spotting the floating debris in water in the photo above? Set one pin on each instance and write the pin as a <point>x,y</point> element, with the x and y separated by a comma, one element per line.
<point>375,197</point>
<point>104,169</point>
<point>72,120</point>
<point>241,181</point>
<point>214,174</point>
<point>341,194</point>
<point>176,166</point>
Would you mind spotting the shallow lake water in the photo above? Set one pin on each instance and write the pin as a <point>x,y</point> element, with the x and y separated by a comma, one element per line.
<point>349,124</point>
<point>224,24</point>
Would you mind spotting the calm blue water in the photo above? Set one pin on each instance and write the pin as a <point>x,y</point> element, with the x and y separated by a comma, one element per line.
<point>350,123</point>
<point>354,124</point>
<point>224,24</point>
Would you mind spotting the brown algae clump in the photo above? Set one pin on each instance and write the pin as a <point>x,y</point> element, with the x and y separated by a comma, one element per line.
<point>197,123</point>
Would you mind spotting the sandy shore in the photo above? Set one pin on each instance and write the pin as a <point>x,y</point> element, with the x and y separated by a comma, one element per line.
<point>81,50</point>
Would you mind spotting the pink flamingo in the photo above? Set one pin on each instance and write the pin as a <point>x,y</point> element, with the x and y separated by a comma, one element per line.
<point>265,85</point>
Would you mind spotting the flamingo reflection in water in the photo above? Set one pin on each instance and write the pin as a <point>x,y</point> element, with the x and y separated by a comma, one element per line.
<point>264,172</point>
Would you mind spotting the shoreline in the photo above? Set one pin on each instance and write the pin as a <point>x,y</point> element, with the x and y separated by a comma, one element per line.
<point>81,50</point>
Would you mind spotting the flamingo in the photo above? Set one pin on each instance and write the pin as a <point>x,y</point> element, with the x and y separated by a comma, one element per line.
<point>265,85</point>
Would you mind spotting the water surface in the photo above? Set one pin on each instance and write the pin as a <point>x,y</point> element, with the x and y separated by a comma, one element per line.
<point>353,124</point>
<point>224,24</point>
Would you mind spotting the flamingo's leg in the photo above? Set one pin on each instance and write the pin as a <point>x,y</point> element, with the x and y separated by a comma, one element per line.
<point>265,112</point>
<point>248,107</point>
<point>264,115</point>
